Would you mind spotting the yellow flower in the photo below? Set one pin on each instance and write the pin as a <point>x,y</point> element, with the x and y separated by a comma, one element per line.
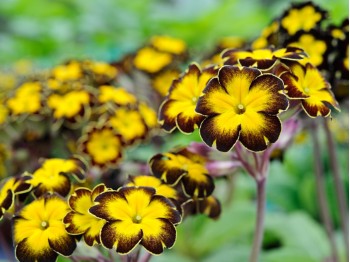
<point>185,167</point>
<point>79,221</point>
<point>69,104</point>
<point>52,176</point>
<point>129,124</point>
<point>136,215</point>
<point>162,81</point>
<point>154,182</point>
<point>9,188</point>
<point>27,99</point>
<point>168,44</point>
<point>150,60</point>
<point>304,16</point>
<point>67,72</point>
<point>264,40</point>
<point>101,69</point>
<point>39,233</point>
<point>102,145</point>
<point>241,104</point>
<point>308,84</point>
<point>178,109</point>
<point>149,115</point>
<point>314,47</point>
<point>118,95</point>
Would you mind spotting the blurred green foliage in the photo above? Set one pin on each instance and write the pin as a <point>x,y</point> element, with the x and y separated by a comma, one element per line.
<point>49,32</point>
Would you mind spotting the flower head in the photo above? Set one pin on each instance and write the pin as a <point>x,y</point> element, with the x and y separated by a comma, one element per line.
<point>241,104</point>
<point>178,109</point>
<point>308,84</point>
<point>168,44</point>
<point>119,96</point>
<point>39,233</point>
<point>79,221</point>
<point>184,166</point>
<point>151,60</point>
<point>136,215</point>
<point>52,176</point>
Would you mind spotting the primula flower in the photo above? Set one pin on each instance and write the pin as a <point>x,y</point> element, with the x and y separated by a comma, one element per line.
<point>314,46</point>
<point>79,221</point>
<point>186,167</point>
<point>308,84</point>
<point>9,188</point>
<point>39,233</point>
<point>209,206</point>
<point>268,36</point>
<point>150,60</point>
<point>101,72</point>
<point>68,72</point>
<point>68,105</point>
<point>161,82</point>
<point>102,145</point>
<point>119,96</point>
<point>129,124</point>
<point>305,16</point>
<point>178,109</point>
<point>53,176</point>
<point>263,59</point>
<point>241,104</point>
<point>149,115</point>
<point>136,215</point>
<point>27,99</point>
<point>168,44</point>
<point>154,182</point>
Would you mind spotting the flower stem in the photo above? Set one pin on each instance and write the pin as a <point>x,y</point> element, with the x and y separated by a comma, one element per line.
<point>339,187</point>
<point>260,217</point>
<point>321,193</point>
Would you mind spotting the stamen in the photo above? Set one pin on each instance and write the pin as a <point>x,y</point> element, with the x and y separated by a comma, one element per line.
<point>241,109</point>
<point>44,224</point>
<point>137,219</point>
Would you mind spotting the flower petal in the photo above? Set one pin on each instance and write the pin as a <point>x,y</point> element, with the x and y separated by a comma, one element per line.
<point>221,131</point>
<point>157,234</point>
<point>259,130</point>
<point>197,184</point>
<point>31,251</point>
<point>121,235</point>
<point>63,244</point>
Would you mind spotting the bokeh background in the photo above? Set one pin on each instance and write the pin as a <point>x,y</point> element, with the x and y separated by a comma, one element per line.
<point>43,33</point>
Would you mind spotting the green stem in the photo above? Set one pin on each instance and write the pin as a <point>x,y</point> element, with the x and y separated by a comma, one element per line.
<point>321,192</point>
<point>260,217</point>
<point>339,187</point>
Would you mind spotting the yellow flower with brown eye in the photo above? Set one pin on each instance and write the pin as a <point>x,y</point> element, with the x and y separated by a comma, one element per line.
<point>68,105</point>
<point>27,99</point>
<point>242,104</point>
<point>305,16</point>
<point>263,59</point>
<point>53,176</point>
<point>68,72</point>
<point>136,215</point>
<point>129,124</point>
<point>169,44</point>
<point>102,146</point>
<point>308,84</point>
<point>151,61</point>
<point>161,82</point>
<point>9,188</point>
<point>39,233</point>
<point>79,221</point>
<point>314,47</point>
<point>177,110</point>
<point>117,95</point>
<point>184,167</point>
<point>154,182</point>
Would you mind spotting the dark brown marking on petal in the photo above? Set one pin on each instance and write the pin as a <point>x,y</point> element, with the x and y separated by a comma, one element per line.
<point>65,245</point>
<point>198,189</point>
<point>24,253</point>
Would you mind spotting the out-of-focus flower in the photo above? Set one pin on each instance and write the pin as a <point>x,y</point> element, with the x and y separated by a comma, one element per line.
<point>168,44</point>
<point>149,115</point>
<point>39,233</point>
<point>101,145</point>
<point>69,105</point>
<point>9,188</point>
<point>241,104</point>
<point>307,84</point>
<point>117,95</point>
<point>304,16</point>
<point>263,59</point>
<point>178,109</point>
<point>27,99</point>
<point>129,124</point>
<point>136,215</point>
<point>67,72</point>
<point>79,221</point>
<point>53,176</point>
<point>209,206</point>
<point>161,82</point>
<point>268,36</point>
<point>101,72</point>
<point>151,60</point>
<point>185,167</point>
